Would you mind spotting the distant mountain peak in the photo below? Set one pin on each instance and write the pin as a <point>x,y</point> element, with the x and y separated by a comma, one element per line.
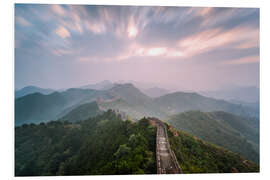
<point>127,87</point>
<point>106,81</point>
<point>30,90</point>
<point>124,85</point>
<point>82,112</point>
<point>183,93</point>
<point>129,93</point>
<point>248,94</point>
<point>27,87</point>
<point>155,92</point>
<point>103,85</point>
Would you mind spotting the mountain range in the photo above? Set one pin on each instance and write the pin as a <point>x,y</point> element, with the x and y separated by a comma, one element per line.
<point>38,107</point>
<point>249,94</point>
<point>207,134</point>
<point>103,85</point>
<point>155,92</point>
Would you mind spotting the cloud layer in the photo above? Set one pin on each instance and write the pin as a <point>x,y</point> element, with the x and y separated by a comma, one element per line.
<point>80,36</point>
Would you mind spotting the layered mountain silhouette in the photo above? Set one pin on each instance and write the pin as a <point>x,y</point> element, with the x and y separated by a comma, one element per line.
<point>155,92</point>
<point>98,86</point>
<point>30,90</point>
<point>82,112</point>
<point>35,108</point>
<point>38,107</point>
<point>249,94</point>
<point>212,135</point>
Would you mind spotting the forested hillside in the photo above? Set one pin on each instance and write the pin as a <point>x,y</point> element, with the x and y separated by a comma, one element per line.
<point>177,102</point>
<point>236,133</point>
<point>82,112</point>
<point>104,144</point>
<point>197,156</point>
<point>36,108</point>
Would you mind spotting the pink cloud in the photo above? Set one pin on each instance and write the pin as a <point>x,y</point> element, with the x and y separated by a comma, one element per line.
<point>211,39</point>
<point>205,11</point>
<point>97,28</point>
<point>134,50</point>
<point>245,60</point>
<point>61,52</point>
<point>132,30</point>
<point>62,32</point>
<point>58,10</point>
<point>156,51</point>
<point>22,21</point>
<point>247,44</point>
<point>73,23</point>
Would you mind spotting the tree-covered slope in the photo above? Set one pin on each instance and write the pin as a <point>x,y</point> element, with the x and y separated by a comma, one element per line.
<point>236,133</point>
<point>197,156</point>
<point>38,107</point>
<point>130,94</point>
<point>180,101</point>
<point>82,112</point>
<point>104,144</point>
<point>134,111</point>
<point>155,92</point>
<point>35,108</point>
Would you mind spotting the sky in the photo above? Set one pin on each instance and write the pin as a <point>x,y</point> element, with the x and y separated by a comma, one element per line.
<point>184,48</point>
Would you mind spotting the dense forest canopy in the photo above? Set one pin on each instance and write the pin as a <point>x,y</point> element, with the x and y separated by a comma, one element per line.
<point>197,156</point>
<point>236,133</point>
<point>104,144</point>
<point>107,144</point>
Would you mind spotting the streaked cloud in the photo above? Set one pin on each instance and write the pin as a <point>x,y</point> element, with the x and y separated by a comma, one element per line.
<point>206,11</point>
<point>212,39</point>
<point>61,52</point>
<point>97,28</point>
<point>132,29</point>
<point>62,32</point>
<point>21,21</point>
<point>58,9</point>
<point>245,60</point>
<point>80,35</point>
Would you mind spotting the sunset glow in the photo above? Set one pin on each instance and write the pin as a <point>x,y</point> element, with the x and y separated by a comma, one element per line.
<point>80,44</point>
